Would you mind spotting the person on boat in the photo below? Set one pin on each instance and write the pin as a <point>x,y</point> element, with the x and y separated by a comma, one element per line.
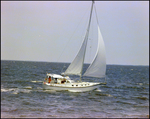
<point>55,80</point>
<point>49,79</point>
<point>64,80</point>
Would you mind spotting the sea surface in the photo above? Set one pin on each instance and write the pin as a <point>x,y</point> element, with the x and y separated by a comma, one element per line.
<point>125,95</point>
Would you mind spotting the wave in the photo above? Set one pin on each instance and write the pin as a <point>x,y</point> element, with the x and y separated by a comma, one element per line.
<point>49,90</point>
<point>21,91</point>
<point>36,81</point>
<point>101,94</point>
<point>139,83</point>
<point>138,116</point>
<point>28,87</point>
<point>12,81</point>
<point>126,87</point>
<point>98,90</point>
<point>8,90</point>
<point>142,106</point>
<point>143,98</point>
<point>39,88</point>
<point>16,90</point>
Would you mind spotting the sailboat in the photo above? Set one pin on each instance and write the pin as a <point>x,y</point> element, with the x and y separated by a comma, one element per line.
<point>96,69</point>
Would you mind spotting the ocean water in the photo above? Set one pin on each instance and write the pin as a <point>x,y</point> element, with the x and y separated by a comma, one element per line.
<point>125,95</point>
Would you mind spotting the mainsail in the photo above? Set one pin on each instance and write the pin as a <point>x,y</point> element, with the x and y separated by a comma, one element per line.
<point>98,66</point>
<point>76,66</point>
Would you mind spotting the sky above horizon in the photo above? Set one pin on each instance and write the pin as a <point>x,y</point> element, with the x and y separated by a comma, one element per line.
<point>53,31</point>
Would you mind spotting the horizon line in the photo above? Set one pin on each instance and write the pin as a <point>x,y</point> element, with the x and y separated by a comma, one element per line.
<point>70,62</point>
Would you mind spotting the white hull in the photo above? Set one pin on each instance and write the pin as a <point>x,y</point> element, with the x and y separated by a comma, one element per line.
<point>71,89</point>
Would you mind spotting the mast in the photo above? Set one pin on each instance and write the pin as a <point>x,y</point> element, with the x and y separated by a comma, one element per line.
<point>87,33</point>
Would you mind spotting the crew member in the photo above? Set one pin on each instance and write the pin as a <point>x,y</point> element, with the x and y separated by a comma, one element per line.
<point>49,79</point>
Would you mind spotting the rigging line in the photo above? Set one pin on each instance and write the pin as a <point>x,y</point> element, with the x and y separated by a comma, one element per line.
<point>71,37</point>
<point>96,14</point>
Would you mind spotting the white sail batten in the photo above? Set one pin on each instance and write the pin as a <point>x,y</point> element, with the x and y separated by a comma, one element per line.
<point>98,66</point>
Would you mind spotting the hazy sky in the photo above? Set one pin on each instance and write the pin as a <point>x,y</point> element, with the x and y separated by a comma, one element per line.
<point>53,31</point>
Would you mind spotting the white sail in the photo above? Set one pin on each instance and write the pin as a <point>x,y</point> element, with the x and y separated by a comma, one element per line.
<point>98,66</point>
<point>75,68</point>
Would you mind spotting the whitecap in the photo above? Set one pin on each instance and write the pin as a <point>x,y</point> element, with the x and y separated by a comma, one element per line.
<point>33,81</point>
<point>12,89</point>
<point>39,81</point>
<point>109,95</point>
<point>49,90</point>
<point>28,87</point>
<point>4,90</point>
<point>98,90</point>
<point>7,90</point>
<point>15,93</point>
<point>39,88</point>
<point>140,83</point>
<point>25,91</point>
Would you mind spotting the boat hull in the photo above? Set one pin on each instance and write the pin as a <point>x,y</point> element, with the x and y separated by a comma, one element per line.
<point>71,89</point>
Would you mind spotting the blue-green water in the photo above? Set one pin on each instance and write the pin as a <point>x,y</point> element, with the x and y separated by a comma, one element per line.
<point>126,93</point>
